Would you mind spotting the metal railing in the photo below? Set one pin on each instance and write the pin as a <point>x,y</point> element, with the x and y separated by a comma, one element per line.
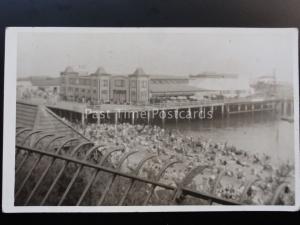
<point>207,102</point>
<point>187,103</point>
<point>57,170</point>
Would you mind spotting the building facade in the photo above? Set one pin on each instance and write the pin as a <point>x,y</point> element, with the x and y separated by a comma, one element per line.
<point>136,88</point>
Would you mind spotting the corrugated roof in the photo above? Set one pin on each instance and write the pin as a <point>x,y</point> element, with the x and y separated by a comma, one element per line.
<point>221,84</point>
<point>26,114</point>
<point>172,88</point>
<point>40,117</point>
<point>164,77</point>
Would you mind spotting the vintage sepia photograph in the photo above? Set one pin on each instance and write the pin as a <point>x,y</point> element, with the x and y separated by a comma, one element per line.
<point>171,119</point>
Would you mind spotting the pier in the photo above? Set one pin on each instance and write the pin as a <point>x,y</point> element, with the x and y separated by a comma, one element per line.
<point>200,109</point>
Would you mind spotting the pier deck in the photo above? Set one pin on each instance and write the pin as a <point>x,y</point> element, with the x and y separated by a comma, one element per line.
<point>226,106</point>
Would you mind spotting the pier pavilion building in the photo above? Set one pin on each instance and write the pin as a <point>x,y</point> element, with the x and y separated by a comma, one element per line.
<point>137,88</point>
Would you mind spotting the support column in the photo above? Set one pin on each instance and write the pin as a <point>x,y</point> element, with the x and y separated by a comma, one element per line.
<point>222,110</point>
<point>274,106</point>
<point>132,118</point>
<point>148,117</point>
<point>116,118</point>
<point>285,108</point>
<point>200,112</point>
<point>190,113</point>
<point>228,109</point>
<point>239,108</point>
<point>82,119</point>
<point>163,116</point>
<point>98,118</point>
<point>246,107</point>
<point>289,108</point>
<point>262,106</point>
<point>176,115</point>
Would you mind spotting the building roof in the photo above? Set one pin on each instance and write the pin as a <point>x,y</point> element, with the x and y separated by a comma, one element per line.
<point>221,84</point>
<point>26,114</point>
<point>69,69</point>
<point>166,77</point>
<point>215,75</point>
<point>139,72</point>
<point>172,89</point>
<point>45,82</point>
<point>100,72</point>
<point>24,83</point>
<point>39,117</point>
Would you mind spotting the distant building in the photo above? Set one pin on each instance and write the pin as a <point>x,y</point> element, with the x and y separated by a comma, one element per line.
<point>47,84</point>
<point>24,86</point>
<point>269,86</point>
<point>226,85</point>
<point>29,84</point>
<point>136,88</point>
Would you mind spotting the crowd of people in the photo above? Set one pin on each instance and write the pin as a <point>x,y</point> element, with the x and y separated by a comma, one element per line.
<point>237,167</point>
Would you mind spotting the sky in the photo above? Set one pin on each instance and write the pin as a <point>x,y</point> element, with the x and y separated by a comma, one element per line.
<point>249,54</point>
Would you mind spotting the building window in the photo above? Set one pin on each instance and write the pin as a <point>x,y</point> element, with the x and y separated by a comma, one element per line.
<point>119,83</point>
<point>82,81</point>
<point>105,83</point>
<point>133,83</point>
<point>144,84</point>
<point>133,94</point>
<point>104,92</point>
<point>143,95</point>
<point>72,81</point>
<point>94,91</point>
<point>95,82</point>
<point>76,89</point>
